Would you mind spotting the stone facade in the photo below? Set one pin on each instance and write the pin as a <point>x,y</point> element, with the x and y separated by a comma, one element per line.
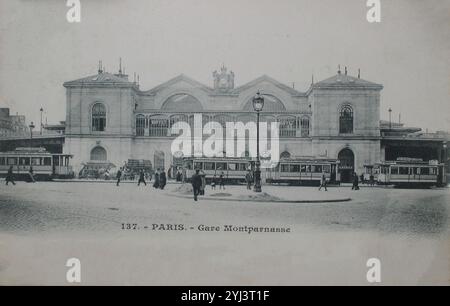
<point>108,111</point>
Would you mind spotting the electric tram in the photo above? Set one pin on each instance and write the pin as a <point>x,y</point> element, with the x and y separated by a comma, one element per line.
<point>304,171</point>
<point>298,171</point>
<point>45,165</point>
<point>409,172</point>
<point>232,169</point>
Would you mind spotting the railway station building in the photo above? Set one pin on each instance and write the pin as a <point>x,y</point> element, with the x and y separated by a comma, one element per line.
<point>111,119</point>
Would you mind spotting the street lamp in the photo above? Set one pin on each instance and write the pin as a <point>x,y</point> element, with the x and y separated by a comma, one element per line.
<point>41,110</point>
<point>258,105</point>
<point>390,121</point>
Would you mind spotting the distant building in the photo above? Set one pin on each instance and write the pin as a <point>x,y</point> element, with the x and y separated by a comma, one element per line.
<point>12,125</point>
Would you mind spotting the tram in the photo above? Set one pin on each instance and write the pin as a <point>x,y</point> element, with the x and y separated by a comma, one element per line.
<point>45,165</point>
<point>304,171</point>
<point>232,169</point>
<point>408,172</point>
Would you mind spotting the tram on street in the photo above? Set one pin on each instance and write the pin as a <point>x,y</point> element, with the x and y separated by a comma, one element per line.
<point>232,169</point>
<point>412,173</point>
<point>44,165</point>
<point>304,171</point>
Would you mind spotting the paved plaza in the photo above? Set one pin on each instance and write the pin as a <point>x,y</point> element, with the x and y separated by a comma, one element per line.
<point>138,235</point>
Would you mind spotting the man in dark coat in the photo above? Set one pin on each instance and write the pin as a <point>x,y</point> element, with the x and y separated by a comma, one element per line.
<point>249,179</point>
<point>156,183</point>
<point>196,183</point>
<point>142,177</point>
<point>119,176</point>
<point>162,180</point>
<point>10,176</point>
<point>355,182</point>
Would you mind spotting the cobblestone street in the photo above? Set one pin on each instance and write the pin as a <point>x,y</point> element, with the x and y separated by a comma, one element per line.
<point>44,224</point>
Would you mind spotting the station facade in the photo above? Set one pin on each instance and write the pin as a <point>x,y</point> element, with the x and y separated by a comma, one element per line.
<point>109,118</point>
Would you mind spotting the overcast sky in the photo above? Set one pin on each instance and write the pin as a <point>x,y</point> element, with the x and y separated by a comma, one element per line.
<point>289,40</point>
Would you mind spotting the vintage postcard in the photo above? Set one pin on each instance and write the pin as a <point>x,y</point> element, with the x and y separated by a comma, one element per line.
<point>224,143</point>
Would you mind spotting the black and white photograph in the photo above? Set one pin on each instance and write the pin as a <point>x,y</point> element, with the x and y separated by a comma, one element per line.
<point>224,143</point>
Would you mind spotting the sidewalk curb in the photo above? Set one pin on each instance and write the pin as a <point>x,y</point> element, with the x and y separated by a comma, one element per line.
<point>264,201</point>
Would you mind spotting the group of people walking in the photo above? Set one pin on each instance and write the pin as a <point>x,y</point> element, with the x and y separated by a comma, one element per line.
<point>10,176</point>
<point>160,180</point>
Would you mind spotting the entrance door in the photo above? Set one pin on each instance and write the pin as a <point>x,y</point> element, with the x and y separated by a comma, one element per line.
<point>346,165</point>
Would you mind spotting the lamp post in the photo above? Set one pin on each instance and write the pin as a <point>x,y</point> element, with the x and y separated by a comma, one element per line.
<point>258,104</point>
<point>41,110</point>
<point>390,118</point>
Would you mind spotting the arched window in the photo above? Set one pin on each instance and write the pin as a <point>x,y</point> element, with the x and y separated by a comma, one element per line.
<point>158,126</point>
<point>285,155</point>
<point>287,126</point>
<point>140,125</point>
<point>181,103</point>
<point>304,124</point>
<point>346,120</point>
<point>98,117</point>
<point>98,153</point>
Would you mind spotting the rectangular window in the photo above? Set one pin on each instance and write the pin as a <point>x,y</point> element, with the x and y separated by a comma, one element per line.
<point>210,166</point>
<point>24,161</point>
<point>12,161</point>
<point>394,170</point>
<point>198,165</point>
<point>295,168</point>
<point>232,166</point>
<point>284,168</point>
<point>416,170</point>
<point>404,170</point>
<point>243,167</point>
<point>188,164</point>
<point>303,168</point>
<point>2,161</point>
<point>425,171</point>
<point>433,171</point>
<point>221,166</point>
<point>36,161</point>
<point>317,168</point>
<point>327,168</point>
<point>47,161</point>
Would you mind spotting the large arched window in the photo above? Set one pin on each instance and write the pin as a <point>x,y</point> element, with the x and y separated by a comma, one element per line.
<point>98,153</point>
<point>346,120</point>
<point>98,117</point>
<point>140,125</point>
<point>182,102</point>
<point>304,124</point>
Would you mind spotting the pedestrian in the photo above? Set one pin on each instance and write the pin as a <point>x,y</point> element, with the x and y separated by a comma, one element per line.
<point>355,182</point>
<point>142,177</point>
<point>31,174</point>
<point>372,180</point>
<point>118,176</point>
<point>156,183</point>
<point>162,180</point>
<point>249,179</point>
<point>323,182</point>
<point>196,181</point>
<point>222,180</point>
<point>10,176</point>
<point>203,186</point>
<point>214,182</point>
<point>363,181</point>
